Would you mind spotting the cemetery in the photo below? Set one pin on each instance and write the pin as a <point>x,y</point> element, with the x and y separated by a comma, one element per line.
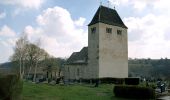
<point>97,72</point>
<point>130,88</point>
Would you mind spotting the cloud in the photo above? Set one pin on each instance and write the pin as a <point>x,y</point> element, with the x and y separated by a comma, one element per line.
<point>33,34</point>
<point>80,21</point>
<point>8,38</point>
<point>136,4</point>
<point>148,31</point>
<point>148,36</point>
<point>2,15</point>
<point>6,31</point>
<point>6,52</point>
<point>59,34</point>
<point>23,3</point>
<point>161,4</point>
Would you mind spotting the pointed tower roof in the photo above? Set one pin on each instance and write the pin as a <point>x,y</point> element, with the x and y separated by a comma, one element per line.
<point>108,16</point>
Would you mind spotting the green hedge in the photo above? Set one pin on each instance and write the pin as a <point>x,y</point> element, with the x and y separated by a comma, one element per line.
<point>135,92</point>
<point>10,87</point>
<point>112,80</point>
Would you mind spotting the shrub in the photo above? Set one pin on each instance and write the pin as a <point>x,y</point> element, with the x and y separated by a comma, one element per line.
<point>134,92</point>
<point>112,80</point>
<point>10,87</point>
<point>131,81</point>
<point>153,85</point>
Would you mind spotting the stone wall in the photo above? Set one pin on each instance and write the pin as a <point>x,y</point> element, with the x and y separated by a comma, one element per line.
<point>75,72</point>
<point>113,52</point>
<point>93,51</point>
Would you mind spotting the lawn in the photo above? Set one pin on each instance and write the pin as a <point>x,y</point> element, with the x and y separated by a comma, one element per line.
<point>33,91</point>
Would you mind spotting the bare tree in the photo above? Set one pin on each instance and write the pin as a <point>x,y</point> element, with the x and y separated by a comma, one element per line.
<point>26,53</point>
<point>35,54</point>
<point>20,54</point>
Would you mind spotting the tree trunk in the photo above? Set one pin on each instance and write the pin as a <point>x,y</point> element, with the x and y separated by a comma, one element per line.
<point>29,71</point>
<point>23,68</point>
<point>47,77</point>
<point>59,72</point>
<point>20,66</point>
<point>51,75</point>
<point>35,72</point>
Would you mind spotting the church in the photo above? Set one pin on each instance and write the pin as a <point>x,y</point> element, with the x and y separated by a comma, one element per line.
<point>107,53</point>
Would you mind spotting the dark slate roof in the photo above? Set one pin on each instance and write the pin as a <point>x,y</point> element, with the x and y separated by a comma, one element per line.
<point>108,16</point>
<point>78,57</point>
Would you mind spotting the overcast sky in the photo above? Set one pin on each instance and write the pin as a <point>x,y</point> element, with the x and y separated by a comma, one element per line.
<point>61,25</point>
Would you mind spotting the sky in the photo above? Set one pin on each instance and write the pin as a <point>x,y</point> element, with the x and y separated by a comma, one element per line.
<point>61,25</point>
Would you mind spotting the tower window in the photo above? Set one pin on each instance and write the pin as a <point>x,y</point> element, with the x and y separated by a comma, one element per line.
<point>93,30</point>
<point>119,32</point>
<point>108,30</point>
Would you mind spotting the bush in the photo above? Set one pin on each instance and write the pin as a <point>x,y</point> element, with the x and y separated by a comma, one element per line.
<point>152,85</point>
<point>134,92</point>
<point>10,87</point>
<point>131,81</point>
<point>112,80</point>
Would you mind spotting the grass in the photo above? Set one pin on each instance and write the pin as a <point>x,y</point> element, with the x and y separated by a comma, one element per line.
<point>68,92</point>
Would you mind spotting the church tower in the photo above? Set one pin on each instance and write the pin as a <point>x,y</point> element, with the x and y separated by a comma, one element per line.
<point>107,45</point>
